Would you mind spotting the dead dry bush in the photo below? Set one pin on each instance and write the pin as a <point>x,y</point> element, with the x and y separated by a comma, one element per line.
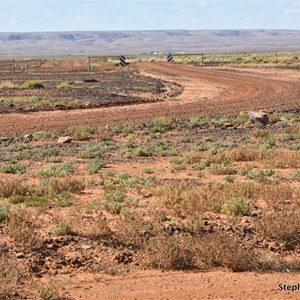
<point>244,154</point>
<point>9,187</point>
<point>57,186</point>
<point>274,263</point>
<point>10,277</point>
<point>98,228</point>
<point>132,231</point>
<point>186,200</point>
<point>103,134</point>
<point>183,252</point>
<point>21,226</point>
<point>285,159</point>
<point>293,129</point>
<point>279,158</point>
<point>219,250</point>
<point>170,253</point>
<point>283,225</point>
<point>278,195</point>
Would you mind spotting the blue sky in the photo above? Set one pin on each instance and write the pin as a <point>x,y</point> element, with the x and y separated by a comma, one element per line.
<point>79,15</point>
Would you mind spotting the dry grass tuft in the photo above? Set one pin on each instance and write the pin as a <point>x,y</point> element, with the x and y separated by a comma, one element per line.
<point>22,228</point>
<point>183,252</point>
<point>132,231</point>
<point>56,186</point>
<point>278,195</point>
<point>244,154</point>
<point>186,200</point>
<point>97,229</point>
<point>10,277</point>
<point>293,129</point>
<point>104,134</point>
<point>286,159</point>
<point>9,187</point>
<point>283,225</point>
<point>170,253</point>
<point>219,250</point>
<point>279,158</point>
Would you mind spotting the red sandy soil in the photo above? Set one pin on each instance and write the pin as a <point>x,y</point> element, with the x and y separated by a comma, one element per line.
<point>207,92</point>
<point>181,285</point>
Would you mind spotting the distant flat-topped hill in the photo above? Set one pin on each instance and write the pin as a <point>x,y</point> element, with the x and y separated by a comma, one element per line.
<point>141,42</point>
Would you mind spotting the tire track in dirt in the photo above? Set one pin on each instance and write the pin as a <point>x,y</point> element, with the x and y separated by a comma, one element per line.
<point>207,92</point>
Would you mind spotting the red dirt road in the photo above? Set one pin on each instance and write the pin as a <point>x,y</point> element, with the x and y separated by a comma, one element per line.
<point>207,92</point>
<point>180,285</point>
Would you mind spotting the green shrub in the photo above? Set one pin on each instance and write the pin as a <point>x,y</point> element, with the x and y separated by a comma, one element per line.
<point>58,171</point>
<point>82,133</point>
<point>96,150</point>
<point>41,135</point>
<point>32,200</point>
<point>197,122</point>
<point>45,154</point>
<point>13,168</point>
<point>4,210</point>
<point>115,207</point>
<point>148,171</point>
<point>217,169</point>
<point>236,207</point>
<point>176,167</point>
<point>95,166</point>
<point>32,84</point>
<point>160,125</point>
<point>49,291</point>
<point>63,85</point>
<point>63,228</point>
<point>116,195</point>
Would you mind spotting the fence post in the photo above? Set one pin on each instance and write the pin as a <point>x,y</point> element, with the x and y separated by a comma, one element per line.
<point>89,64</point>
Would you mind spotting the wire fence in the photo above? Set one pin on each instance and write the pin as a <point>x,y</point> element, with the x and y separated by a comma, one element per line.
<point>98,63</point>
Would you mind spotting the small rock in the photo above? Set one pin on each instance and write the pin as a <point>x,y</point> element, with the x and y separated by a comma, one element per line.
<point>52,246</point>
<point>20,255</point>
<point>259,116</point>
<point>86,247</point>
<point>64,140</point>
<point>255,213</point>
<point>245,220</point>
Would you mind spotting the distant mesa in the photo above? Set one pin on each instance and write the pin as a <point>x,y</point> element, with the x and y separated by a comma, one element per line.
<point>139,42</point>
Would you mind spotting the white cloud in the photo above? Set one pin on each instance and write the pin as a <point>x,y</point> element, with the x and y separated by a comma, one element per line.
<point>80,18</point>
<point>184,9</point>
<point>294,8</point>
<point>292,12</point>
<point>13,21</point>
<point>202,3</point>
<point>49,15</point>
<point>247,10</point>
<point>3,5</point>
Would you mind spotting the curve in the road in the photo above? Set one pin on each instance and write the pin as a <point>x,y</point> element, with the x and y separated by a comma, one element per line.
<point>207,92</point>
